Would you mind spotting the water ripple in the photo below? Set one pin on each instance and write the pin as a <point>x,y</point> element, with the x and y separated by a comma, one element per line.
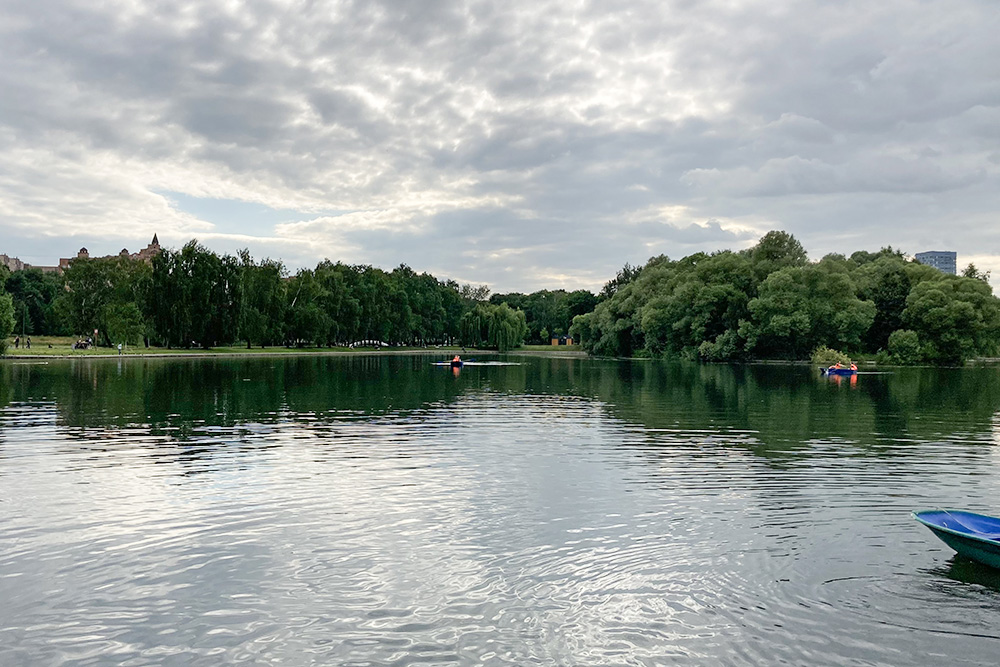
<point>494,527</point>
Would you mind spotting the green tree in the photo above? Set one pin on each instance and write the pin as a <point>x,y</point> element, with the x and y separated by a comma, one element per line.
<point>862,257</point>
<point>474,293</point>
<point>196,297</point>
<point>706,298</point>
<point>95,288</point>
<point>507,328</point>
<point>885,282</point>
<point>339,284</point>
<point>6,320</point>
<point>799,309</point>
<point>780,323</point>
<point>955,318</point>
<point>549,311</point>
<point>306,320</point>
<point>124,322</point>
<point>904,346</point>
<point>579,302</point>
<point>625,275</point>
<point>261,300</point>
<point>498,327</point>
<point>972,272</point>
<point>473,325</point>
<point>34,293</point>
<point>776,250</point>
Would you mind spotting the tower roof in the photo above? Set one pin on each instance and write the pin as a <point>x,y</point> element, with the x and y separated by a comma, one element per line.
<point>155,241</point>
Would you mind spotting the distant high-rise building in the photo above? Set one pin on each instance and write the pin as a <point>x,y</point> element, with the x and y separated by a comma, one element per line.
<point>942,260</point>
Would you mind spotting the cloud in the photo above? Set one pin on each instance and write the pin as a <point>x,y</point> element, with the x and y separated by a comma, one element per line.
<point>519,144</point>
<point>798,176</point>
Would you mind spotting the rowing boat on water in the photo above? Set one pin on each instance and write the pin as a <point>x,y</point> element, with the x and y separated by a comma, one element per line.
<point>975,536</point>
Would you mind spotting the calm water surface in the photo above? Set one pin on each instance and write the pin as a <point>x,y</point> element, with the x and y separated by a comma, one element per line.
<point>384,511</point>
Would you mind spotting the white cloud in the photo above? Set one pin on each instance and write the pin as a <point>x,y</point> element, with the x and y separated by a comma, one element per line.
<point>528,138</point>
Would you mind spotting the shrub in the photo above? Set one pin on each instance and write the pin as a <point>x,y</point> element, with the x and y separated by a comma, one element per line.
<point>724,348</point>
<point>904,346</point>
<point>825,356</point>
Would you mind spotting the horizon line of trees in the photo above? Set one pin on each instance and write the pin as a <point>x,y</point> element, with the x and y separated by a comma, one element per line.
<point>765,302</point>
<point>771,302</point>
<point>195,297</point>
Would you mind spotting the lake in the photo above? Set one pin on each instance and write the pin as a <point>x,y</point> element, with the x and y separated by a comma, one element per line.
<point>380,510</point>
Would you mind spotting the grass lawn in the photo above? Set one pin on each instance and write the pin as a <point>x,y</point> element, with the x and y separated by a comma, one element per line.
<point>550,348</point>
<point>61,346</point>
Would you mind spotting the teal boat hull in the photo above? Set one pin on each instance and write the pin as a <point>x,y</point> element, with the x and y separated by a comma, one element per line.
<point>975,536</point>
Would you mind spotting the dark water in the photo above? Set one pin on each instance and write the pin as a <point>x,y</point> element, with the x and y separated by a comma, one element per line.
<point>383,511</point>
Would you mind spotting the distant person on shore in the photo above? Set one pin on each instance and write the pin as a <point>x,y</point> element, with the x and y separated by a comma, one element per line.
<point>27,344</point>
<point>17,342</point>
<point>119,349</point>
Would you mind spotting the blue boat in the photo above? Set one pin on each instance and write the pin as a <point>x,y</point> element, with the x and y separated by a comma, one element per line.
<point>839,371</point>
<point>974,536</point>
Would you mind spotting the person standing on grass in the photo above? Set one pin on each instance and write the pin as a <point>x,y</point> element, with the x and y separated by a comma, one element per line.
<point>27,344</point>
<point>119,349</point>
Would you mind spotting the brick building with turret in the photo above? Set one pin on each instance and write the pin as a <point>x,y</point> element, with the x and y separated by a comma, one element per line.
<point>145,255</point>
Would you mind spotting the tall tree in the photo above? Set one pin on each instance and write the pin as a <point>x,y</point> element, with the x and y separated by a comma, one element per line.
<point>98,290</point>
<point>776,250</point>
<point>306,321</point>
<point>34,294</point>
<point>955,318</point>
<point>261,300</point>
<point>625,275</point>
<point>885,282</point>
<point>6,320</point>
<point>498,327</point>
<point>196,297</point>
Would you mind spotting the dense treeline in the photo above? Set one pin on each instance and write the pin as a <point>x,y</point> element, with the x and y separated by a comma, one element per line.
<point>195,297</point>
<point>765,302</point>
<point>548,313</point>
<point>770,302</point>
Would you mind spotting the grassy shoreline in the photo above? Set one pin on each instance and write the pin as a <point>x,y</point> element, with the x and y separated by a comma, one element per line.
<point>40,350</point>
<point>59,347</point>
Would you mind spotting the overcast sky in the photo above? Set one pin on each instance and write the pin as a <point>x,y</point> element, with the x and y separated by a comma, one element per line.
<point>524,144</point>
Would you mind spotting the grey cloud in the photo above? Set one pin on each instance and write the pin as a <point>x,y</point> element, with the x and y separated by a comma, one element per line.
<point>797,128</point>
<point>795,175</point>
<point>235,119</point>
<point>580,118</point>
